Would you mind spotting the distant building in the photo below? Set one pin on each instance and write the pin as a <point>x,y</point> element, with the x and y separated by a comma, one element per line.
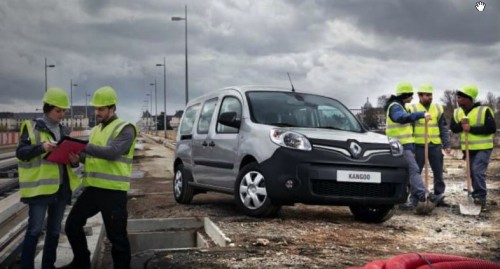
<point>83,118</point>
<point>147,121</point>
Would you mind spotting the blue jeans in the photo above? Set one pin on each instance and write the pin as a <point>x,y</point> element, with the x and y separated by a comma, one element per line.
<point>55,213</point>
<point>417,187</point>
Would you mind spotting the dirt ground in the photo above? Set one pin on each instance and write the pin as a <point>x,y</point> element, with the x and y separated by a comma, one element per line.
<point>304,236</point>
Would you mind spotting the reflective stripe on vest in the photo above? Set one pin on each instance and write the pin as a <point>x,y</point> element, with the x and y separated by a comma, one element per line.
<point>403,132</point>
<point>109,174</point>
<point>477,117</point>
<point>419,126</point>
<point>38,176</point>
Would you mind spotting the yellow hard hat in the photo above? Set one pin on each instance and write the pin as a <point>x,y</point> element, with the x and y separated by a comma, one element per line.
<point>425,88</point>
<point>104,96</point>
<point>469,90</point>
<point>56,97</point>
<point>404,87</point>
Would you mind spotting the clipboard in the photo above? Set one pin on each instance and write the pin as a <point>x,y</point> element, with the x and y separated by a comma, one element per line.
<point>66,145</point>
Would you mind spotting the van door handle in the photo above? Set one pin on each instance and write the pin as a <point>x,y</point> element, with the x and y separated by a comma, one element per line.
<point>204,143</point>
<point>211,144</point>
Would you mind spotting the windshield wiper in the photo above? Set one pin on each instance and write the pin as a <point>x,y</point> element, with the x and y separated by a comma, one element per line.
<point>331,127</point>
<point>282,124</point>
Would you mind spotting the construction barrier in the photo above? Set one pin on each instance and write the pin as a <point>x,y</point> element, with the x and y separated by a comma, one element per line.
<point>12,138</point>
<point>9,138</point>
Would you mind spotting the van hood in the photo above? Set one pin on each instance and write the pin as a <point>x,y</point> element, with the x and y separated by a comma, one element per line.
<point>339,135</point>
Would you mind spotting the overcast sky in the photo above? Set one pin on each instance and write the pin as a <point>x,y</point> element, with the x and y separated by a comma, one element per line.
<point>350,50</point>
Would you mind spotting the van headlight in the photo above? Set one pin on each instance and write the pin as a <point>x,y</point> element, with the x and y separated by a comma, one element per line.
<point>396,147</point>
<point>290,139</point>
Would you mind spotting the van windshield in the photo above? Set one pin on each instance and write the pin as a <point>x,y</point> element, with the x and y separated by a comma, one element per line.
<point>290,109</point>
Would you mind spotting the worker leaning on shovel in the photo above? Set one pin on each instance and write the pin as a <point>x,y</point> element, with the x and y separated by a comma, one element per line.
<point>399,125</point>
<point>478,123</point>
<point>438,139</point>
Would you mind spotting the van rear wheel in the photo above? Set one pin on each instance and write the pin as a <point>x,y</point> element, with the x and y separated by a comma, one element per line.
<point>250,193</point>
<point>372,214</point>
<point>183,192</point>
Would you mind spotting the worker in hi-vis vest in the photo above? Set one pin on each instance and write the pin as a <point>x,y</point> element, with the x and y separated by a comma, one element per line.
<point>107,162</point>
<point>438,139</point>
<point>399,125</point>
<point>478,123</point>
<point>45,186</point>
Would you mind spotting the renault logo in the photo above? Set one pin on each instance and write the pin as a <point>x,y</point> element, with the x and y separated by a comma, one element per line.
<point>355,149</point>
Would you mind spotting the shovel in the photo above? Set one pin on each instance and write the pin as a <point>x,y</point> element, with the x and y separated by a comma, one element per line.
<point>426,207</point>
<point>469,208</point>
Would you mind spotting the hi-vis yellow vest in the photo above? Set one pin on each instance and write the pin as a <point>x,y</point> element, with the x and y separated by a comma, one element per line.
<point>477,117</point>
<point>109,174</point>
<point>403,132</point>
<point>38,176</point>
<point>419,126</point>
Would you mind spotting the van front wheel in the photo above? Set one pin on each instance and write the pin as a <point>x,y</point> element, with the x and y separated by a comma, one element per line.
<point>250,193</point>
<point>183,192</point>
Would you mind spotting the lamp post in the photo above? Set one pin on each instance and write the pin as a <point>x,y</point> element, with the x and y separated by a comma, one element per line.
<point>71,101</point>
<point>156,107</point>
<point>86,115</point>
<point>47,66</point>
<point>146,102</point>
<point>164,97</point>
<point>185,19</point>
<point>151,106</point>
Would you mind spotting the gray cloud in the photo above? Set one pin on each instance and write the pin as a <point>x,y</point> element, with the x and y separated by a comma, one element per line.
<point>347,49</point>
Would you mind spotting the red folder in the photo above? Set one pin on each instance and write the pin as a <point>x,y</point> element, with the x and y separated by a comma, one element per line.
<point>66,145</point>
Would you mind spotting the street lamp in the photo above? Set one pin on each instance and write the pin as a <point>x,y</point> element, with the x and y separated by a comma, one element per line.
<point>71,100</point>
<point>86,115</point>
<point>164,97</point>
<point>185,19</point>
<point>47,66</point>
<point>146,102</point>
<point>156,107</point>
<point>151,112</point>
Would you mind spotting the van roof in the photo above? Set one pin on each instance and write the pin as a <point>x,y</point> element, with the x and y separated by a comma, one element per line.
<point>242,89</point>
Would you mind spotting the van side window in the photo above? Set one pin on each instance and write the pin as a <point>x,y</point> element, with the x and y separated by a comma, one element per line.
<point>187,123</point>
<point>229,104</point>
<point>206,116</point>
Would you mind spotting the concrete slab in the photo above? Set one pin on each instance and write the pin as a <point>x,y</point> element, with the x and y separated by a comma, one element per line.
<point>64,253</point>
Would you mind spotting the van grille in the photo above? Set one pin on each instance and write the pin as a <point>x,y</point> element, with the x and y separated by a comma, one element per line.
<point>333,188</point>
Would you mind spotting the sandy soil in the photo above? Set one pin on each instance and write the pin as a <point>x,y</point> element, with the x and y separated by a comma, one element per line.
<point>305,236</point>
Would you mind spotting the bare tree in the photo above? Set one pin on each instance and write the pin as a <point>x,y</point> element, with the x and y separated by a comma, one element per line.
<point>381,100</point>
<point>449,103</point>
<point>491,101</point>
<point>370,118</point>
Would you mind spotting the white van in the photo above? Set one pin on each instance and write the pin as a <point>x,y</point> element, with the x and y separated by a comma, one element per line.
<point>271,146</point>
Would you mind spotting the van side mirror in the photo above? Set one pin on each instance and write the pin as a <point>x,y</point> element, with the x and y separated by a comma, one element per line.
<point>229,119</point>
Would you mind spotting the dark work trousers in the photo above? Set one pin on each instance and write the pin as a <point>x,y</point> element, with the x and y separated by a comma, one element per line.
<point>478,165</point>
<point>435,163</point>
<point>113,207</point>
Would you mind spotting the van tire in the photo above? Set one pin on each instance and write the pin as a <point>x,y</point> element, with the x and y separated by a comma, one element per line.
<point>372,214</point>
<point>183,192</point>
<point>260,205</point>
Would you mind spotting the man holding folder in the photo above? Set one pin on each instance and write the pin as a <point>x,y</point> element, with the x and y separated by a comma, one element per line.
<point>108,167</point>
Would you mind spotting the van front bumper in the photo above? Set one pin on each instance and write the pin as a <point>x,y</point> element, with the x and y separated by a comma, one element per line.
<point>310,177</point>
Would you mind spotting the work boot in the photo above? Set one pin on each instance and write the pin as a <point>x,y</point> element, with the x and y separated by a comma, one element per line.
<point>435,198</point>
<point>443,203</point>
<point>74,266</point>
<point>482,203</point>
<point>409,205</point>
